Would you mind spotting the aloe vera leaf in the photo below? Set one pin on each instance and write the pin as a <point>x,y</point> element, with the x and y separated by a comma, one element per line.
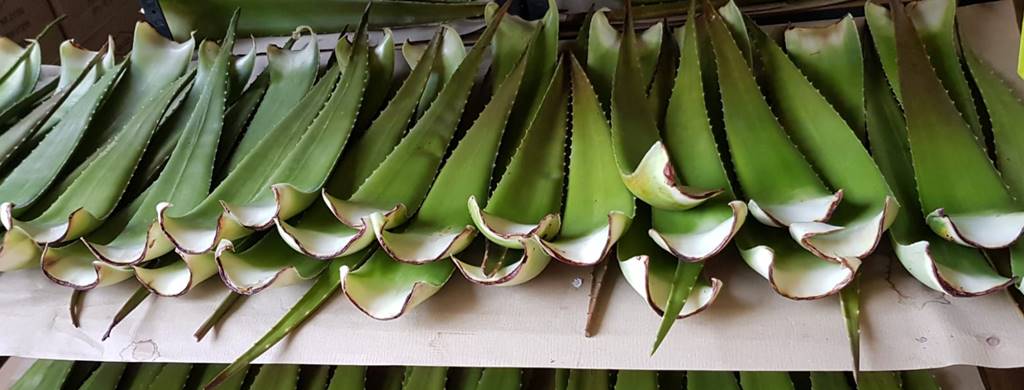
<point>792,271</point>
<point>270,262</point>
<point>701,232</point>
<point>919,380</point>
<point>836,152</point>
<point>126,308</point>
<point>824,380</point>
<point>348,378</point>
<point>236,119</point>
<point>500,379</point>
<point>671,287</point>
<point>33,175</point>
<point>106,376</point>
<point>883,37</point>
<point>965,197</point>
<point>382,73</point>
<point>140,375</point>
<point>186,178</point>
<point>708,380</point>
<point>384,288</point>
<point>276,17</point>
<point>24,105</point>
<point>166,140</point>
<point>199,229</point>
<point>292,73</point>
<point>598,206</point>
<point>508,44</point>
<point>464,378</point>
<point>452,53</point>
<point>313,377</point>
<point>489,264</point>
<point>203,373</point>
<point>765,380</point>
<point>319,233</point>
<point>20,67</point>
<point>849,302</point>
<point>92,196</point>
<point>879,380</point>
<point>296,181</point>
<point>603,45</point>
<point>639,380</point>
<point>321,290</point>
<point>230,301</point>
<point>831,57</point>
<point>937,263</point>
<point>443,226</point>
<point>172,376</point>
<point>1002,105</point>
<point>424,378</point>
<point>587,380</point>
<point>277,377</point>
<point>397,188</point>
<point>753,135</point>
<point>527,199</point>
<point>44,375</point>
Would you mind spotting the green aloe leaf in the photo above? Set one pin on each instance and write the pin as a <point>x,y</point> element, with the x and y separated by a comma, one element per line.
<point>277,17</point>
<point>937,263</point>
<point>708,380</point>
<point>348,378</point>
<point>588,380</point>
<point>185,180</point>
<point>500,379</point>
<point>879,380</point>
<point>760,147</point>
<point>701,232</point>
<point>452,53</point>
<point>19,69</point>
<point>508,44</point>
<point>323,289</point>
<point>172,376</point>
<point>382,73</point>
<point>671,287</point>
<point>825,380</point>
<point>236,118</point>
<point>527,200</point>
<point>831,57</point>
<point>277,377</point>
<point>792,271</point>
<point>291,73</point>
<point>199,229</point>
<point>836,152</point>
<point>765,380</point>
<point>94,193</point>
<point>443,226</point>
<point>142,375</point>
<point>965,198</point>
<point>319,234</point>
<point>638,380</point>
<point>598,207</point>
<point>603,45</point>
<point>424,378</point>
<point>919,380</point>
<point>106,376</point>
<point>44,375</point>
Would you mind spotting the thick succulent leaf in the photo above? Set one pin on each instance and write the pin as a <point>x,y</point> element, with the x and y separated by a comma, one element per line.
<point>964,198</point>
<point>94,193</point>
<point>200,229</point>
<point>939,264</point>
<point>44,374</point>
<point>319,233</point>
<point>765,380</point>
<point>588,379</point>
<point>528,197</point>
<point>382,73</point>
<point>832,146</point>
<point>792,271</point>
<point>185,180</point>
<point>821,380</point>
<point>268,263</point>
<point>508,42</point>
<point>292,73</point>
<point>638,380</point>
<point>701,232</point>
<point>276,377</point>
<point>443,226</point>
<point>298,178</point>
<point>425,378</point>
<point>385,289</point>
<point>37,171</point>
<point>19,70</point>
<point>671,287</point>
<point>760,147</point>
<point>603,45</point>
<point>831,57</point>
<point>598,206</point>
<point>143,376</point>
<point>236,118</point>
<point>490,264</point>
<point>277,18</point>
<point>106,377</point>
<point>74,266</point>
<point>641,156</point>
<point>348,378</point>
<point>175,275</point>
<point>452,53</point>
<point>708,380</point>
<point>879,380</point>
<point>883,38</point>
<point>499,378</point>
<point>323,289</point>
<point>919,380</point>
<point>172,376</point>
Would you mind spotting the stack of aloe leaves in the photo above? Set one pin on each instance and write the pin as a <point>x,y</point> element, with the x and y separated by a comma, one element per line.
<point>57,374</point>
<point>168,171</point>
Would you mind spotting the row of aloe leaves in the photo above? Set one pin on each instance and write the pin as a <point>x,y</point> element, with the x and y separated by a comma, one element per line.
<point>58,374</point>
<point>172,172</point>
